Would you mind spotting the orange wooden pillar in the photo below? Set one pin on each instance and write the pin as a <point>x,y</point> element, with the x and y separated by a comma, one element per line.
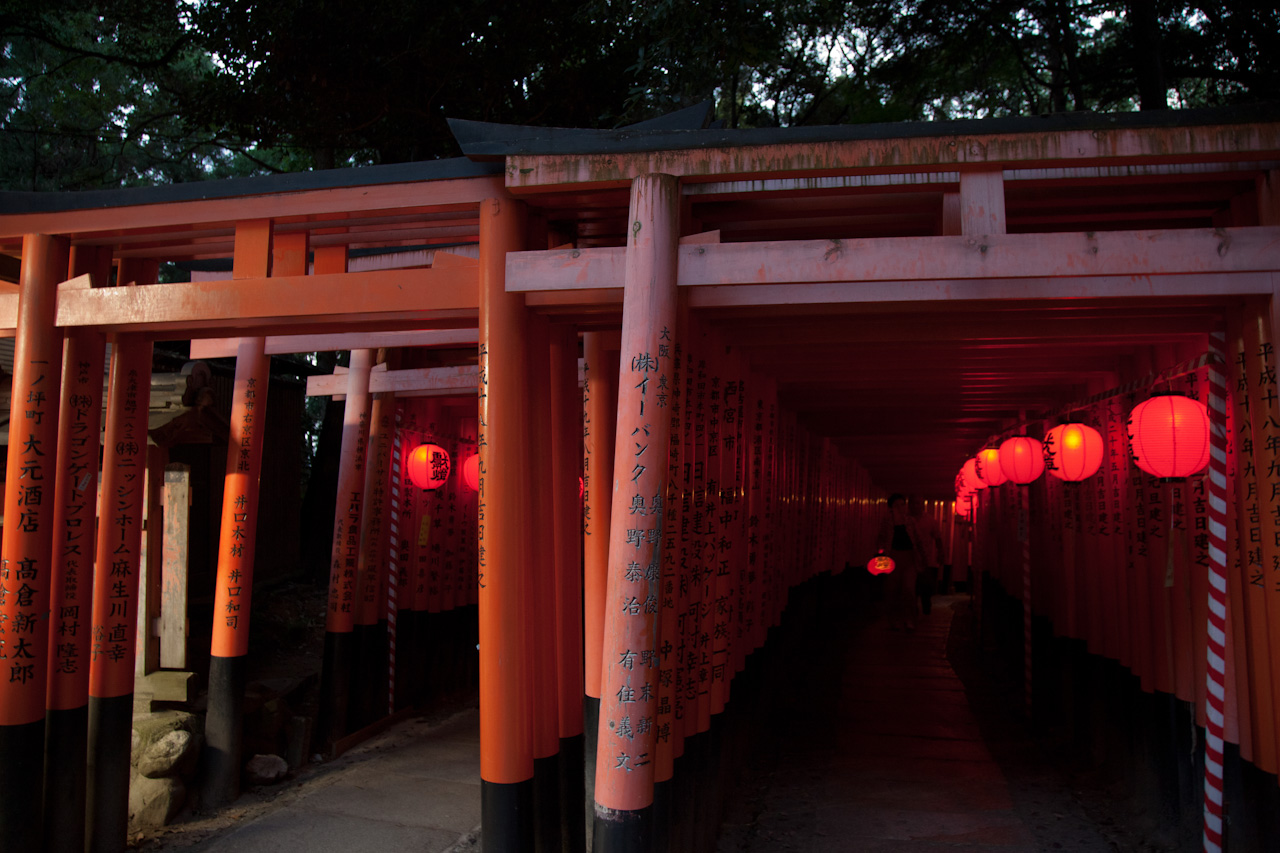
<point>237,536</point>
<point>335,678</point>
<point>506,747</point>
<point>599,422</point>
<point>625,745</point>
<point>566,429</point>
<point>541,646</point>
<point>115,586</point>
<point>369,634</point>
<point>669,742</point>
<point>71,596</point>
<point>26,571</point>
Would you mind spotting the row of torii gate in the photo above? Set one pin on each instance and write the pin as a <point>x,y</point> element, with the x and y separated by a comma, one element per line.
<point>662,635</point>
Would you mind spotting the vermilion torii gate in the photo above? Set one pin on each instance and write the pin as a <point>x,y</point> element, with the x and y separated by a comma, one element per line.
<point>808,318</point>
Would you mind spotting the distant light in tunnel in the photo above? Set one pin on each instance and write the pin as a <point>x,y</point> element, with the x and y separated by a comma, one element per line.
<point>1073,452</point>
<point>988,466</point>
<point>1022,459</point>
<point>1169,436</point>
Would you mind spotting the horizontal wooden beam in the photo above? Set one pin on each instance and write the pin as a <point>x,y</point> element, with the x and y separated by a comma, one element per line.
<point>1098,147</point>
<point>404,296</point>
<point>289,344</point>
<point>459,194</point>
<point>422,382</point>
<point>412,382</point>
<point>948,267</point>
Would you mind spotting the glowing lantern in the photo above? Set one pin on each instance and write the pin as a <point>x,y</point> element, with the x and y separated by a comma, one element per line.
<point>1022,459</point>
<point>880,564</point>
<point>1169,436</point>
<point>969,472</point>
<point>428,466</point>
<point>988,466</point>
<point>471,473</point>
<point>1073,452</point>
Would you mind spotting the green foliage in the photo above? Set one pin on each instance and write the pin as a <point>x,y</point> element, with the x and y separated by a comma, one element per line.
<point>97,93</point>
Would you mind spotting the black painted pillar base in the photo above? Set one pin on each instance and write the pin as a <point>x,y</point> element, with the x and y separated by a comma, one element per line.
<point>66,745</point>
<point>590,738</point>
<point>405,627</point>
<point>223,731</point>
<point>623,831</point>
<point>506,816</point>
<point>366,676</point>
<point>695,770</point>
<point>683,791</point>
<point>663,812</point>
<point>335,690</point>
<point>110,741</point>
<point>572,827</point>
<point>21,784</point>
<point>546,804</point>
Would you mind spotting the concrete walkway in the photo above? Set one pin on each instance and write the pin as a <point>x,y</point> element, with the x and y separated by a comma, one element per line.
<point>876,747</point>
<point>889,756</point>
<point>416,787</point>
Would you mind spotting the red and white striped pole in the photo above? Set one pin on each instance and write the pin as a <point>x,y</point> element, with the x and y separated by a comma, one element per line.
<point>395,558</point>
<point>1024,533</point>
<point>1215,699</point>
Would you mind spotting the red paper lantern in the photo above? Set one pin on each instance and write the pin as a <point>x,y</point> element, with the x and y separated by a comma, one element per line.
<point>988,466</point>
<point>972,481</point>
<point>1073,452</point>
<point>1169,436</point>
<point>471,473</point>
<point>428,466</point>
<point>880,564</point>
<point>1022,459</point>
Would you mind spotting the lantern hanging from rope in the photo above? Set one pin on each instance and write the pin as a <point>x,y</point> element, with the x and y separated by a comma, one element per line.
<point>428,466</point>
<point>1073,452</point>
<point>988,466</point>
<point>1021,459</point>
<point>1169,436</point>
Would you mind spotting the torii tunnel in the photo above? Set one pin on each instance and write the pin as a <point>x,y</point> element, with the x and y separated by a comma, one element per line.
<point>693,364</point>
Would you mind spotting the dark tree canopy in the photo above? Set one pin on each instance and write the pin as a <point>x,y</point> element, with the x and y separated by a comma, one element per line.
<point>143,91</point>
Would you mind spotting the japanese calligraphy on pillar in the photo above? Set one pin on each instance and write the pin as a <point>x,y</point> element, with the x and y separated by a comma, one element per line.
<point>240,504</point>
<point>482,394</point>
<point>74,516</point>
<point>115,598</point>
<point>640,485</point>
<point>23,574</point>
<point>346,535</point>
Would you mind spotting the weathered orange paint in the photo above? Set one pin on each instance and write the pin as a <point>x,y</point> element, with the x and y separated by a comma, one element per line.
<point>269,304</point>
<point>528,173</point>
<point>375,513</point>
<point>506,747</point>
<point>1034,261</point>
<point>237,537</point>
<point>238,533</point>
<point>625,750</point>
<point>26,557</point>
<point>115,583</point>
<point>345,557</point>
<point>599,423</point>
<point>223,213</point>
<point>75,506</point>
<point>540,537</point>
<point>566,458</point>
